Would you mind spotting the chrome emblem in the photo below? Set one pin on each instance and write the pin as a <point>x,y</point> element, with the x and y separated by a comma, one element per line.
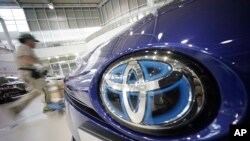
<point>150,91</point>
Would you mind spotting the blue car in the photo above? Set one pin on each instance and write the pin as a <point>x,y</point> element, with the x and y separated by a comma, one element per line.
<point>181,73</point>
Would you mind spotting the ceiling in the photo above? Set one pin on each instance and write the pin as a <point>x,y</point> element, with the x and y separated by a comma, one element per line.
<point>30,3</point>
<point>59,1</point>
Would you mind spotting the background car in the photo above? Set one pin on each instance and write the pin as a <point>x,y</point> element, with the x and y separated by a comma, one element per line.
<point>10,88</point>
<point>180,73</point>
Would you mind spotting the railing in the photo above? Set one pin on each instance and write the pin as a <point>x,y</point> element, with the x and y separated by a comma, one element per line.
<point>126,17</point>
<point>60,43</point>
<point>4,48</point>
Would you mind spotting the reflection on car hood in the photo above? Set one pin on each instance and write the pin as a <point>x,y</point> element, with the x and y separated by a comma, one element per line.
<point>13,83</point>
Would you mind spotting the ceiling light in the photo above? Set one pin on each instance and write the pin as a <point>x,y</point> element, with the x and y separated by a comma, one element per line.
<point>51,6</point>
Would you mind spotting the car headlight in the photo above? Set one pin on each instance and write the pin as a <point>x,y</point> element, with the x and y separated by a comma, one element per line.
<point>155,91</point>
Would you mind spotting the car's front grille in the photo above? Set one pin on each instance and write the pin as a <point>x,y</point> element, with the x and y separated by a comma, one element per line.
<point>91,114</point>
<point>83,107</point>
<point>15,94</point>
<point>21,86</point>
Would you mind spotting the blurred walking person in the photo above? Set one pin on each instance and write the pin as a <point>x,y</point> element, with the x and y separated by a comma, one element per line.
<point>30,71</point>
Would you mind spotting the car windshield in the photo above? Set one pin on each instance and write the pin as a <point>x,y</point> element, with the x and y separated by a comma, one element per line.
<point>4,80</point>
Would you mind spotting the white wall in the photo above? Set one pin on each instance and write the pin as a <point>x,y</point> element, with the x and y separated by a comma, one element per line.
<point>7,61</point>
<point>7,64</point>
<point>43,53</point>
<point>106,36</point>
<point>80,48</point>
<point>7,57</point>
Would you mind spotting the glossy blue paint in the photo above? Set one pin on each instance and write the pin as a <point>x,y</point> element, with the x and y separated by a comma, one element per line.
<point>231,104</point>
<point>216,33</point>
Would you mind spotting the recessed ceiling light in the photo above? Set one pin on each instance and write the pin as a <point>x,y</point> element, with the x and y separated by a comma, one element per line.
<point>51,6</point>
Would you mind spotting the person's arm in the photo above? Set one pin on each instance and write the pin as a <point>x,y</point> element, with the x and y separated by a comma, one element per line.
<point>33,62</point>
<point>28,59</point>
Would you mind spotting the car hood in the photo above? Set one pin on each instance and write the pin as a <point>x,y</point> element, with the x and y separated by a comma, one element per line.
<point>199,27</point>
<point>13,83</point>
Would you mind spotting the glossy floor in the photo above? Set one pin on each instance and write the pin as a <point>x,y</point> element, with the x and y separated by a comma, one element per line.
<point>34,125</point>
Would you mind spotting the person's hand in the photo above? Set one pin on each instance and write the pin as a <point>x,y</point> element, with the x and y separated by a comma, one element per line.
<point>45,72</point>
<point>40,68</point>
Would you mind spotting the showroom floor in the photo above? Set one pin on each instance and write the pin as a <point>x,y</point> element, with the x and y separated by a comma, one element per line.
<point>34,125</point>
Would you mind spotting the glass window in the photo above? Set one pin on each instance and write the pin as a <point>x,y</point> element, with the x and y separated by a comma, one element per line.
<point>56,72</point>
<point>64,65</point>
<point>11,27</point>
<point>63,59</point>
<point>72,64</point>
<point>65,71</point>
<point>22,28</point>
<point>55,66</point>
<point>21,22</point>
<point>45,62</point>
<point>18,14</point>
<point>72,57</point>
<point>6,14</point>
<point>9,22</point>
<point>14,19</point>
<point>61,65</point>
<point>53,60</point>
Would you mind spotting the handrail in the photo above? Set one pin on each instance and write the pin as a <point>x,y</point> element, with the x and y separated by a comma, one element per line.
<point>124,18</point>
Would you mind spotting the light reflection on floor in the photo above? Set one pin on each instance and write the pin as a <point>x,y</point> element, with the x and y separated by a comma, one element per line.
<point>34,125</point>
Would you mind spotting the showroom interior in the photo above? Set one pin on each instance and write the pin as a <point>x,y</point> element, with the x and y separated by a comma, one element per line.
<point>65,30</point>
<point>92,70</point>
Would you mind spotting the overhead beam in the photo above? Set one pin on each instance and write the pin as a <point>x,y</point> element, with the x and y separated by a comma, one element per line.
<point>102,3</point>
<point>8,5</point>
<point>17,2</point>
<point>57,5</point>
<point>18,5</point>
<point>150,3</point>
